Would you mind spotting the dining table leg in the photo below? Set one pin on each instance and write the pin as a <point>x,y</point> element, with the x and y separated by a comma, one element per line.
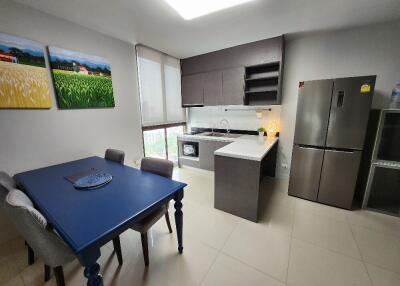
<point>179,218</point>
<point>88,260</point>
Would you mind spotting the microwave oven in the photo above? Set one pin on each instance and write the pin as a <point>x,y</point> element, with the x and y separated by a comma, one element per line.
<point>190,149</point>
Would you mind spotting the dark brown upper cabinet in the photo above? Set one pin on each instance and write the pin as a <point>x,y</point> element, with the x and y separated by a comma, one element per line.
<point>249,74</point>
<point>213,88</point>
<point>192,90</point>
<point>233,86</point>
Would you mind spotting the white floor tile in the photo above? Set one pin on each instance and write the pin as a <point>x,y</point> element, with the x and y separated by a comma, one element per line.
<point>382,277</point>
<point>304,206</point>
<point>312,265</point>
<point>378,248</point>
<point>375,221</point>
<point>261,248</point>
<point>229,271</point>
<point>278,218</point>
<point>326,232</point>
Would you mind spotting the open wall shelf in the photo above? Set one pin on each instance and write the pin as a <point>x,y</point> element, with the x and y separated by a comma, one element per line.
<point>262,84</point>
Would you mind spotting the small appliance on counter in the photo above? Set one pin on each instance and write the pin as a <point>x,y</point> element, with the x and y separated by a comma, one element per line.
<point>383,187</point>
<point>190,149</point>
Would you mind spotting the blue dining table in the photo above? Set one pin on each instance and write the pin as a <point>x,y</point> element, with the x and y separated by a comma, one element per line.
<point>88,219</point>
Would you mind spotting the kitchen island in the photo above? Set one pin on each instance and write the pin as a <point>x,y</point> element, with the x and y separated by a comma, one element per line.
<point>239,168</point>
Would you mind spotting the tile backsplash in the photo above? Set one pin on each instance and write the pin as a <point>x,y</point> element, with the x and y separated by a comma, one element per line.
<point>239,117</point>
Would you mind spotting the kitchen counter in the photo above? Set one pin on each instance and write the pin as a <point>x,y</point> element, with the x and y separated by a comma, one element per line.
<point>248,147</point>
<point>240,162</point>
<point>239,169</point>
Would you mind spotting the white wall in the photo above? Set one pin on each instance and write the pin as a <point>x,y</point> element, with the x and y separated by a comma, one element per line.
<point>35,138</point>
<point>371,50</point>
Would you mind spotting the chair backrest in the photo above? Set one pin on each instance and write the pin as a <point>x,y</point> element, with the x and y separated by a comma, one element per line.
<point>6,185</point>
<point>157,166</point>
<point>115,155</point>
<point>32,225</point>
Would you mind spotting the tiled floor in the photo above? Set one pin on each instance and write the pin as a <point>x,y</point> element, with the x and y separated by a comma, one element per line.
<point>296,243</point>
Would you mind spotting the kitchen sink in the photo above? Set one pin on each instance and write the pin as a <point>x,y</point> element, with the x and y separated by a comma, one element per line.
<point>219,134</point>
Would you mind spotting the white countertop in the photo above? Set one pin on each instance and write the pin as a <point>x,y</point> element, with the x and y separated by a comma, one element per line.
<point>249,147</point>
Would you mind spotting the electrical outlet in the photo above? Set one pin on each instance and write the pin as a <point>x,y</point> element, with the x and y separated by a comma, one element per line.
<point>136,163</point>
<point>285,166</point>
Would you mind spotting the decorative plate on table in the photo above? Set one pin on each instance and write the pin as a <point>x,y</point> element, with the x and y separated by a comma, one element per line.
<point>93,181</point>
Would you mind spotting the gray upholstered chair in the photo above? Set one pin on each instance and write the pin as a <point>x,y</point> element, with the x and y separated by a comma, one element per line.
<point>163,168</point>
<point>6,185</point>
<point>32,225</point>
<point>115,155</point>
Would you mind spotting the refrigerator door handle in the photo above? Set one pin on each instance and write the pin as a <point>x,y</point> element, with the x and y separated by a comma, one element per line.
<point>341,151</point>
<point>340,99</point>
<point>309,147</point>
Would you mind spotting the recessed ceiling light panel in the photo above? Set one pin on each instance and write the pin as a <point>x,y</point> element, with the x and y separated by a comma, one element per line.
<point>190,9</point>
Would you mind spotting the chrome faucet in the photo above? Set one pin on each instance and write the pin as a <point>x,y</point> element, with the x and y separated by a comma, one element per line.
<point>225,122</point>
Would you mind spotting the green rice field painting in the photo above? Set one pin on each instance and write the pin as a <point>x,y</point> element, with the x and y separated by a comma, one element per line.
<point>80,80</point>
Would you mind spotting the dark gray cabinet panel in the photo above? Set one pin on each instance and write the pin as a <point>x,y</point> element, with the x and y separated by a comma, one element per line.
<point>313,112</point>
<point>237,186</point>
<point>192,90</point>
<point>338,178</point>
<point>206,154</point>
<point>305,172</point>
<point>232,62</point>
<point>212,88</point>
<point>349,112</point>
<point>233,86</point>
<point>260,52</point>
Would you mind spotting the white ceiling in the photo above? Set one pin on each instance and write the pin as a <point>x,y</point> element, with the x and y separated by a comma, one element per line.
<point>156,24</point>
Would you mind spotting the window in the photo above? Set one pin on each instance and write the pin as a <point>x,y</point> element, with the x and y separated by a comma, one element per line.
<point>172,134</point>
<point>163,117</point>
<point>162,142</point>
<point>154,142</point>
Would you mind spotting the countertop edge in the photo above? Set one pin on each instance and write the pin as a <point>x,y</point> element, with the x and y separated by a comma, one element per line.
<point>239,156</point>
<point>208,138</point>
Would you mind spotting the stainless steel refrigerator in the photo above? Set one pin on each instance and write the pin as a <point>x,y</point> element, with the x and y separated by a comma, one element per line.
<point>331,123</point>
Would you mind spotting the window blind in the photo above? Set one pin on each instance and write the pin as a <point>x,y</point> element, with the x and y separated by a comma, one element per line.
<point>160,87</point>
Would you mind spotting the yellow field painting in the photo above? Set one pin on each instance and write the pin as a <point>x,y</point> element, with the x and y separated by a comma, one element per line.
<point>23,86</point>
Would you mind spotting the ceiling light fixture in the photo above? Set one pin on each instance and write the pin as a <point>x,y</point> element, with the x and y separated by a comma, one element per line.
<point>190,9</point>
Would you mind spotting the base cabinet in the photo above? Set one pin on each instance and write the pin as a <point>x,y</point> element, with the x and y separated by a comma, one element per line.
<point>205,160</point>
<point>206,155</point>
<point>238,184</point>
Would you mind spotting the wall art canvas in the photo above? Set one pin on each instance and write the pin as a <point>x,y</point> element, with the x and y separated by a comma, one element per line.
<point>81,80</point>
<point>24,80</point>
